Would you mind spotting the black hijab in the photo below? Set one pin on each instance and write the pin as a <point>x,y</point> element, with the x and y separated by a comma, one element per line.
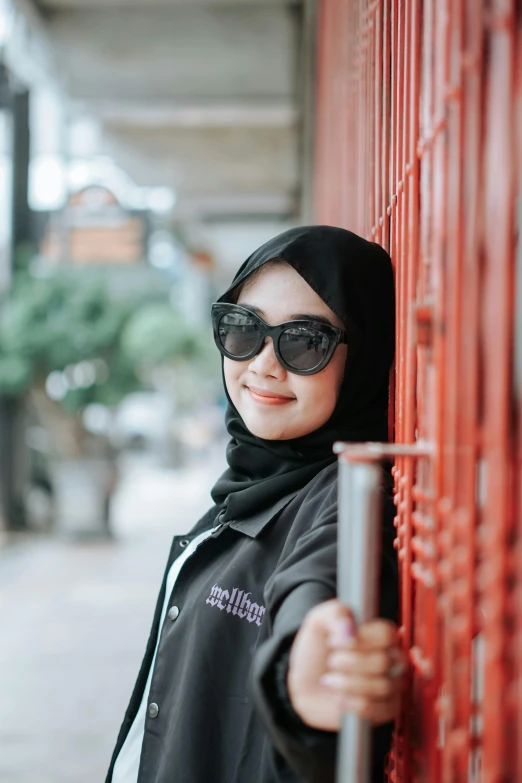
<point>354,278</point>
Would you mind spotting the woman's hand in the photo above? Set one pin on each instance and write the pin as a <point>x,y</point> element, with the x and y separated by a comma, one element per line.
<point>337,668</point>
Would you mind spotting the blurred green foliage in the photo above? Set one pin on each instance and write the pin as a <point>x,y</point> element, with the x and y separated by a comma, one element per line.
<point>154,334</point>
<point>49,324</point>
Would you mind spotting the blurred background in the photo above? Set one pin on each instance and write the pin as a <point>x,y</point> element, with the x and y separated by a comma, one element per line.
<point>146,148</point>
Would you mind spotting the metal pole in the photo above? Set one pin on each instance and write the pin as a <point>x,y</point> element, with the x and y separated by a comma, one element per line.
<point>357,578</point>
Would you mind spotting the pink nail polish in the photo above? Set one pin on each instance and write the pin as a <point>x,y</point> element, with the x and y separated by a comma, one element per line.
<point>344,632</point>
<point>351,629</point>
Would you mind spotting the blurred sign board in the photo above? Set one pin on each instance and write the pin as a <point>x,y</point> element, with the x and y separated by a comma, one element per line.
<point>202,260</point>
<point>96,229</point>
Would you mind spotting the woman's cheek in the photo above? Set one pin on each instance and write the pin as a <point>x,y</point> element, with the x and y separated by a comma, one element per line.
<point>232,371</point>
<point>318,395</point>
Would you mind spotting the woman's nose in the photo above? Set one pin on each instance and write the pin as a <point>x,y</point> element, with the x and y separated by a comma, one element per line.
<point>265,363</point>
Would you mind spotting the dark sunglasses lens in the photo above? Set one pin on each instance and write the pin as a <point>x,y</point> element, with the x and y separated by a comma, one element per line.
<point>303,348</point>
<point>238,334</point>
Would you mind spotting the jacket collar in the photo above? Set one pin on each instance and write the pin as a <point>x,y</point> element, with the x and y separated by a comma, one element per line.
<point>254,524</point>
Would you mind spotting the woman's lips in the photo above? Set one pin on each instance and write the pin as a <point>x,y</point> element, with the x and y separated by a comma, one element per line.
<point>268,398</point>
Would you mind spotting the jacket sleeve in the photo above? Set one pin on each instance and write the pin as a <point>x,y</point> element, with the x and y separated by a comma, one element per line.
<point>305,578</point>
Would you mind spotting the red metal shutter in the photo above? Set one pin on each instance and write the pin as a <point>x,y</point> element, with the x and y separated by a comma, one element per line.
<point>417,148</point>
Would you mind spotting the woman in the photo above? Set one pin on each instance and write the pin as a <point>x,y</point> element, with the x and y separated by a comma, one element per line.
<point>251,660</point>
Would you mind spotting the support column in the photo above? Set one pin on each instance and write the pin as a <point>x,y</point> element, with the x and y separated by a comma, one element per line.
<point>13,451</point>
<point>21,215</point>
<point>308,76</point>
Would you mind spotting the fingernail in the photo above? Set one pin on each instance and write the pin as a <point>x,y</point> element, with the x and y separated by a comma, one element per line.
<point>344,632</point>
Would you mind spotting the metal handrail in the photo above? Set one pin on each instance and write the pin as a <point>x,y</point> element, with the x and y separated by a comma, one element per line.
<point>359,518</point>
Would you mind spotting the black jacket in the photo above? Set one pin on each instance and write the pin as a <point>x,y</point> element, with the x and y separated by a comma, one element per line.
<point>241,598</point>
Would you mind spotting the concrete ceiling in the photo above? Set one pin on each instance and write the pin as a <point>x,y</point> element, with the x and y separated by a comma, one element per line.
<point>53,4</point>
<point>200,95</point>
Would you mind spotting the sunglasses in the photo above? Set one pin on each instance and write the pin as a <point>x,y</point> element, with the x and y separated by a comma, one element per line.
<point>301,347</point>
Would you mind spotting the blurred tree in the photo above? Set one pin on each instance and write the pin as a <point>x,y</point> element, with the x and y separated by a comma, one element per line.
<point>157,337</point>
<point>155,334</point>
<point>50,324</point>
<point>65,341</point>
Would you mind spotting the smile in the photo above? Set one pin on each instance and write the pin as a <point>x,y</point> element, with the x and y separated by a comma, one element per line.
<point>268,398</point>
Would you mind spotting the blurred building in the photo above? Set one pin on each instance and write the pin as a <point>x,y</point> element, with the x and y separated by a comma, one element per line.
<point>157,140</point>
<point>203,104</point>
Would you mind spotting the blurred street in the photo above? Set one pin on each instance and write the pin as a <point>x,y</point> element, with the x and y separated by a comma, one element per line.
<point>74,619</point>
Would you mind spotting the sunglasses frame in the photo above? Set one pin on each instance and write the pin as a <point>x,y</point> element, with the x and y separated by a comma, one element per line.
<point>336,336</point>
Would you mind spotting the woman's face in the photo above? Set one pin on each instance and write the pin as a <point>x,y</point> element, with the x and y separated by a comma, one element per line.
<point>274,403</point>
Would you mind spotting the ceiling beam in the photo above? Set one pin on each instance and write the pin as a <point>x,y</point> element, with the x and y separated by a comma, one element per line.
<point>166,114</point>
<point>67,5</point>
<point>219,205</point>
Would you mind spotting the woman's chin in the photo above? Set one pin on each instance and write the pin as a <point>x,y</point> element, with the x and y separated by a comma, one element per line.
<point>259,426</point>
<point>266,430</point>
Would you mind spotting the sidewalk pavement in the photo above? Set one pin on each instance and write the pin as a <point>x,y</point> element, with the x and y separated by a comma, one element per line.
<point>74,620</point>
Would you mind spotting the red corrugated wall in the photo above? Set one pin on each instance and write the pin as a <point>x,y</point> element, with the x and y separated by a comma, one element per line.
<point>418,123</point>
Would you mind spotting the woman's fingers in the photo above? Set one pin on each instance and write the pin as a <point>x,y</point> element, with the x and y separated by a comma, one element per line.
<point>337,622</point>
<point>334,620</point>
<point>334,664</point>
<point>357,685</point>
<point>375,635</point>
<point>379,662</point>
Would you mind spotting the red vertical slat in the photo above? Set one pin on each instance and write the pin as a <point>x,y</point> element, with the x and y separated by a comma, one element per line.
<point>516,647</point>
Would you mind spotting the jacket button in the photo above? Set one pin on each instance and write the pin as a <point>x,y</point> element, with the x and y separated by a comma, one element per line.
<point>184,542</point>
<point>173,613</point>
<point>153,710</point>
